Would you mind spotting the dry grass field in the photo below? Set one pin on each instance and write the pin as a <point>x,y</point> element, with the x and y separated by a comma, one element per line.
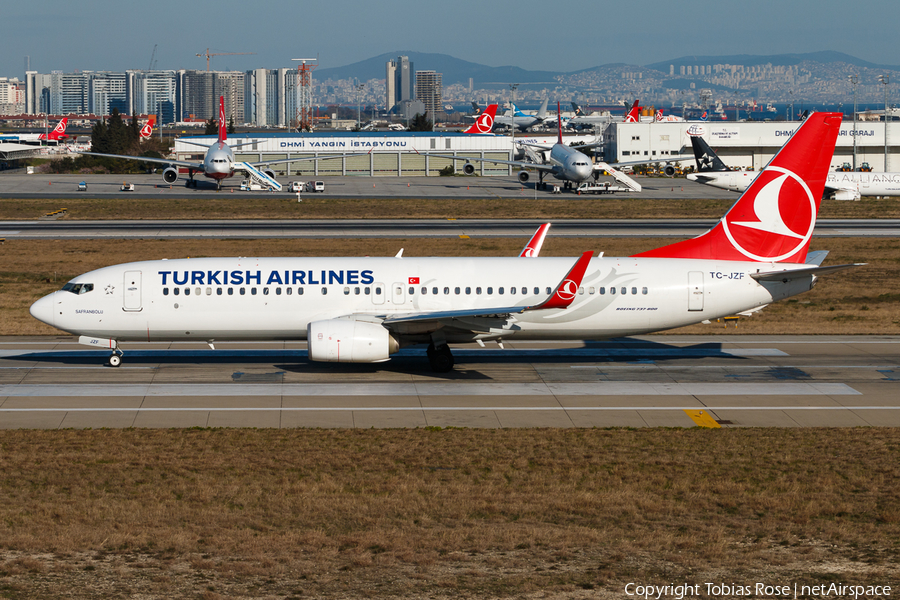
<point>442,513</point>
<point>223,206</point>
<point>859,301</point>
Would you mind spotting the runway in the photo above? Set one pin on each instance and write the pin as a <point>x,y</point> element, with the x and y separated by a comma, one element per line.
<point>403,228</point>
<point>649,381</point>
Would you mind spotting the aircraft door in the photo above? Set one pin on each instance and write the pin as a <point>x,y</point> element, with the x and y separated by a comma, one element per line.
<point>377,293</point>
<point>132,290</point>
<point>695,290</point>
<point>398,293</point>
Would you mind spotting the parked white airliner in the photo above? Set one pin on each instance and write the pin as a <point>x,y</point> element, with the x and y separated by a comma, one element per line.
<point>839,185</point>
<point>218,162</point>
<point>365,309</point>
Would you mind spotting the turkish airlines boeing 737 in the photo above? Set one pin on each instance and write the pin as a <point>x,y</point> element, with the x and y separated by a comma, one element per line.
<point>365,309</point>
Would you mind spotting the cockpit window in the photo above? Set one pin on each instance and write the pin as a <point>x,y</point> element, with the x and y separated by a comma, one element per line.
<point>78,288</point>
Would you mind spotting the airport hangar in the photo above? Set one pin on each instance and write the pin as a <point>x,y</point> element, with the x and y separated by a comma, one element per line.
<point>743,144</point>
<point>382,154</point>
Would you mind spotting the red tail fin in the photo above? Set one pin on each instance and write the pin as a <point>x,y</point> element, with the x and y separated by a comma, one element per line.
<point>147,129</point>
<point>774,219</point>
<point>634,115</point>
<point>485,121</point>
<point>222,126</point>
<point>58,132</point>
<point>533,247</point>
<point>558,124</point>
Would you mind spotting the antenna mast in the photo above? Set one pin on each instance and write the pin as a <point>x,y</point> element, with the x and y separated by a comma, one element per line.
<point>304,93</point>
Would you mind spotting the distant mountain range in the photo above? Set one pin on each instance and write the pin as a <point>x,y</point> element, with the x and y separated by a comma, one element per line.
<point>459,71</point>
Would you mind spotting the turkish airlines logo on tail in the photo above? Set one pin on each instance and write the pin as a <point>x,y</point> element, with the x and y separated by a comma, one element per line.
<point>147,129</point>
<point>792,230</point>
<point>484,124</point>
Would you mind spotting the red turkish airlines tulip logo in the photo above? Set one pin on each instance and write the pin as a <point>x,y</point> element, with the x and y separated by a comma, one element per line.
<point>529,252</point>
<point>484,123</point>
<point>567,290</point>
<point>146,131</point>
<point>773,235</point>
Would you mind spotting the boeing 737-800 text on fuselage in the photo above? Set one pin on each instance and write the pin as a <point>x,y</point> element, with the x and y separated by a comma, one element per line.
<point>364,309</point>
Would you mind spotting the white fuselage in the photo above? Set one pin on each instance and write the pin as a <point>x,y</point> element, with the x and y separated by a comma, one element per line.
<point>843,185</point>
<point>569,164</point>
<point>218,163</point>
<point>206,299</point>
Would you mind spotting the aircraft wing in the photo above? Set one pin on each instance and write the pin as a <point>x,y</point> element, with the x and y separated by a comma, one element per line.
<point>563,295</point>
<point>197,166</point>
<point>516,163</point>
<point>658,159</point>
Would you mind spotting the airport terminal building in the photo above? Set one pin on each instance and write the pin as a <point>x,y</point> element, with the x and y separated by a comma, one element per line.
<point>745,144</point>
<point>377,154</point>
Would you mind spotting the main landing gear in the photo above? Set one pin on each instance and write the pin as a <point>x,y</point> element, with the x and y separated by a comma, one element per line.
<point>440,358</point>
<point>190,182</point>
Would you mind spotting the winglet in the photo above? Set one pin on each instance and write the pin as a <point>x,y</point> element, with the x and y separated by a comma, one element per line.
<point>558,124</point>
<point>533,247</point>
<point>567,289</point>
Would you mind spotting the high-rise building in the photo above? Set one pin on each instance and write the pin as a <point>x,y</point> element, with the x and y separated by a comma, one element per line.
<point>401,84</point>
<point>429,91</point>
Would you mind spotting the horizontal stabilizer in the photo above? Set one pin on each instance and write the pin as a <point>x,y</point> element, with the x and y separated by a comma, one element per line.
<point>789,274</point>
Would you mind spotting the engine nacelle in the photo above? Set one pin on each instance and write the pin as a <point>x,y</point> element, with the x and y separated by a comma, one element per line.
<point>669,170</point>
<point>270,173</point>
<point>523,176</point>
<point>170,175</point>
<point>468,168</point>
<point>345,340</point>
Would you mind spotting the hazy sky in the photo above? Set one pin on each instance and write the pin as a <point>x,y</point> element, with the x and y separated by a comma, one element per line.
<point>562,35</point>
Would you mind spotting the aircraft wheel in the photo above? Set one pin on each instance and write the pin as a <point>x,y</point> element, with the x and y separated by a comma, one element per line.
<point>115,360</point>
<point>440,359</point>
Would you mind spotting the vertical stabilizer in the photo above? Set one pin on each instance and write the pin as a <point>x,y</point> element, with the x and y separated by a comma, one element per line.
<point>774,219</point>
<point>222,127</point>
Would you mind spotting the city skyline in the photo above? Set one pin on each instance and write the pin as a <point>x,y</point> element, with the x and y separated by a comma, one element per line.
<point>98,35</point>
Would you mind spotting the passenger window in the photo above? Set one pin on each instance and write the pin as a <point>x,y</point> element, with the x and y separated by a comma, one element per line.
<point>165,291</point>
<point>197,291</point>
<point>209,291</point>
<point>591,290</point>
<point>644,291</point>
<point>231,291</point>
<point>299,291</point>
<point>346,291</point>
<point>253,291</point>
<point>524,291</point>
<point>243,291</point>
<point>512,291</point>
<point>288,291</point>
<point>581,291</point>
<point>187,291</point>
<point>602,291</point>
<point>324,291</point>
<point>500,291</point>
<point>456,291</point>
<point>265,291</point>
<point>537,290</point>
<point>218,291</point>
<point>424,290</point>
<point>478,291</point>
<point>176,291</point>
<point>634,291</point>
<point>378,291</point>
<point>434,291</point>
<point>490,291</point>
<point>624,290</point>
<point>356,291</point>
<point>412,290</point>
<point>612,290</point>
<point>368,291</point>
<point>468,291</point>
<point>446,291</point>
<point>549,290</point>
<point>277,291</point>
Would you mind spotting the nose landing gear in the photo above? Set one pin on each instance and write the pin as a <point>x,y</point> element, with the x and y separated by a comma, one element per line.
<point>115,359</point>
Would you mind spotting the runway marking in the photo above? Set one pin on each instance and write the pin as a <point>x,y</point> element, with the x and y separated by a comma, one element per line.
<point>605,388</point>
<point>702,418</point>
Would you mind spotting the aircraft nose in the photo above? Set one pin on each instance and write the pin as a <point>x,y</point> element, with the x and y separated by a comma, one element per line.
<point>44,309</point>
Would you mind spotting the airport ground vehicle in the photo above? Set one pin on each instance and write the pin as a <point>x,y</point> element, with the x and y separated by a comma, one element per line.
<point>315,186</point>
<point>297,186</point>
<point>127,187</point>
<point>82,186</point>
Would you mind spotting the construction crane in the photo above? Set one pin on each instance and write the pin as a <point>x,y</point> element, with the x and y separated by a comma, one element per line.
<point>207,55</point>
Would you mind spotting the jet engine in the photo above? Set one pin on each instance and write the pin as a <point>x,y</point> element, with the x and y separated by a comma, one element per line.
<point>170,175</point>
<point>468,168</point>
<point>270,173</point>
<point>346,340</point>
<point>523,176</point>
<point>669,170</point>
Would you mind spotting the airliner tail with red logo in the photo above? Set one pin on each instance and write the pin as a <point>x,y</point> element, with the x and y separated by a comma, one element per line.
<point>774,219</point>
<point>634,115</point>
<point>147,129</point>
<point>58,133</point>
<point>484,123</point>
